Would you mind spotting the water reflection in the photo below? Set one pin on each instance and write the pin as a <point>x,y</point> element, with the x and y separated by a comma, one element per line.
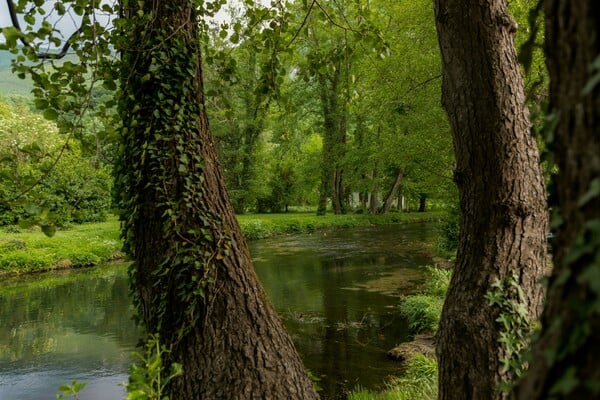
<point>55,329</point>
<point>336,293</point>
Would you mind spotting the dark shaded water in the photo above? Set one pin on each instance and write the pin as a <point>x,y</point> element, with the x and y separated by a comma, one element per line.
<point>336,293</point>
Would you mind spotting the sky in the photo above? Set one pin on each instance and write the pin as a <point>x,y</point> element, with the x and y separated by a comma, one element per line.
<point>67,26</point>
<point>4,17</point>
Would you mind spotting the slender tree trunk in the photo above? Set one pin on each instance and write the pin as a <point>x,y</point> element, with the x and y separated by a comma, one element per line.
<point>392,195</point>
<point>249,140</point>
<point>502,197</point>
<point>422,202</point>
<point>334,142</point>
<point>192,276</point>
<point>373,202</point>
<point>565,357</point>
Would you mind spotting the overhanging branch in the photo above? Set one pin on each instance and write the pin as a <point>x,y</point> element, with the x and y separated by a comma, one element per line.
<point>40,55</point>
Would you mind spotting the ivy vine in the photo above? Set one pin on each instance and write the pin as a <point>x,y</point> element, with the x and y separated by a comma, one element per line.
<point>162,169</point>
<point>516,328</point>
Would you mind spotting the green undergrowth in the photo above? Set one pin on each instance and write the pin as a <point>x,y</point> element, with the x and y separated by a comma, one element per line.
<point>423,310</point>
<point>29,250</point>
<point>419,382</point>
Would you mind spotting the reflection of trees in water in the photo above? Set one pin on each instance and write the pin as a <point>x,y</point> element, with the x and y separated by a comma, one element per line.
<point>34,319</point>
<point>336,355</point>
<point>349,334</point>
<point>342,334</point>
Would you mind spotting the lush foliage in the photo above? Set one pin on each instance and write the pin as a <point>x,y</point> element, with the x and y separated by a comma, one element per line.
<point>423,310</point>
<point>419,382</point>
<point>44,177</point>
<point>353,106</point>
<point>148,378</point>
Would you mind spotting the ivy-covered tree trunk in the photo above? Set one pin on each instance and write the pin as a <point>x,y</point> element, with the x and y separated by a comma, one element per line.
<point>565,360</point>
<point>192,276</point>
<point>502,198</point>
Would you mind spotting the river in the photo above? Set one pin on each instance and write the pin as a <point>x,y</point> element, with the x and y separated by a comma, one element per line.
<point>336,291</point>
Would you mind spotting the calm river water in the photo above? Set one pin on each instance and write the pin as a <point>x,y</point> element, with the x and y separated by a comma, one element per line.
<point>336,292</point>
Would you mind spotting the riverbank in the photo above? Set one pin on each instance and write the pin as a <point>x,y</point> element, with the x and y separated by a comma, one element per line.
<point>29,251</point>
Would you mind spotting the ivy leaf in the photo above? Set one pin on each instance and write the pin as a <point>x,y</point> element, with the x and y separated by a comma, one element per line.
<point>593,192</point>
<point>566,384</point>
<point>594,79</point>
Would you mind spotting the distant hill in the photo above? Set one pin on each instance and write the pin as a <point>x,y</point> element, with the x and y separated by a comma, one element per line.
<point>10,84</point>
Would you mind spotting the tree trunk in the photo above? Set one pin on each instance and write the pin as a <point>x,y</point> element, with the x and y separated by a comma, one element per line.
<point>373,202</point>
<point>192,277</point>
<point>565,357</point>
<point>334,142</point>
<point>502,197</point>
<point>393,192</point>
<point>250,136</point>
<point>422,202</point>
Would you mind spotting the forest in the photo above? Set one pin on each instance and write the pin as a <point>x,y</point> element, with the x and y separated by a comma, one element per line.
<point>183,117</point>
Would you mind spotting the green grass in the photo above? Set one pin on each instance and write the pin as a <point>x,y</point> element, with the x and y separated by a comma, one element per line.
<point>419,382</point>
<point>83,245</point>
<point>260,226</point>
<point>423,310</point>
<point>95,243</point>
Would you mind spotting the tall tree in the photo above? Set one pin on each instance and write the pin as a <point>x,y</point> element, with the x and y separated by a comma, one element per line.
<point>565,360</point>
<point>329,64</point>
<point>192,275</point>
<point>502,197</point>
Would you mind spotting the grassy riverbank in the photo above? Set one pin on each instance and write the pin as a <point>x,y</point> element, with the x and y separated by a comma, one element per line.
<point>25,251</point>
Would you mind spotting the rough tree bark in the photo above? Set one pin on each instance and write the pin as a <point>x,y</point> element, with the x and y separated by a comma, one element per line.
<point>565,360</point>
<point>192,276</point>
<point>502,197</point>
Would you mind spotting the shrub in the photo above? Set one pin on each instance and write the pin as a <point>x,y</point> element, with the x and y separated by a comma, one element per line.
<point>422,312</point>
<point>437,285</point>
<point>44,179</point>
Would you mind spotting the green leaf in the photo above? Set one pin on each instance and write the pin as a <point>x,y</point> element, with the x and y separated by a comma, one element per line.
<point>50,114</point>
<point>30,19</point>
<point>566,384</point>
<point>594,79</point>
<point>49,230</point>
<point>592,193</point>
<point>41,104</point>
<point>109,85</point>
<point>11,35</point>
